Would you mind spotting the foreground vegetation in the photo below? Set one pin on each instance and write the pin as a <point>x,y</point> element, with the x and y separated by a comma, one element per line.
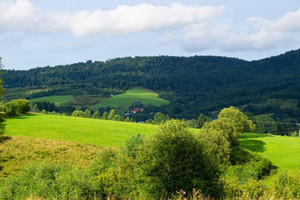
<point>17,152</point>
<point>169,164</point>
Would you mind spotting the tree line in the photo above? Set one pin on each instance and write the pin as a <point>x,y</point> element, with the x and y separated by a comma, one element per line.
<point>198,84</point>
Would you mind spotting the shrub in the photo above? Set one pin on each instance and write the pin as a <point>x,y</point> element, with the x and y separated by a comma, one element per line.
<point>10,109</point>
<point>175,160</point>
<point>77,113</point>
<point>96,115</point>
<point>47,181</point>
<point>23,106</point>
<point>242,124</point>
<point>226,127</point>
<point>216,145</point>
<point>19,106</point>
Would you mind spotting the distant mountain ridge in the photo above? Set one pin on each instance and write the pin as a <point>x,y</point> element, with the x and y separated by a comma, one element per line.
<point>192,84</point>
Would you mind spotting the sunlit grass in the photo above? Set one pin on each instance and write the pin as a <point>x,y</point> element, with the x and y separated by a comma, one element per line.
<point>130,96</point>
<point>82,130</point>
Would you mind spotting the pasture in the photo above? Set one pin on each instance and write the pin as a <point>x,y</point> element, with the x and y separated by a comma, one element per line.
<point>130,96</point>
<point>282,151</point>
<point>81,130</point>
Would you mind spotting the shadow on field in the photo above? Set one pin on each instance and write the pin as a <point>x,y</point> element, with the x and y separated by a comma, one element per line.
<point>255,135</point>
<point>25,116</point>
<point>253,145</point>
<point>2,129</point>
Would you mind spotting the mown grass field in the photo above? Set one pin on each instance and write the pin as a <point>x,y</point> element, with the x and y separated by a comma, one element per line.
<point>81,130</point>
<point>130,96</point>
<point>57,99</point>
<point>282,151</point>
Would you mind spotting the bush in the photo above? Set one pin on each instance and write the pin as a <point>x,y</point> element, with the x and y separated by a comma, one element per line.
<point>23,106</point>
<point>227,128</point>
<point>48,181</point>
<point>174,160</point>
<point>19,106</point>
<point>77,113</point>
<point>216,145</point>
<point>242,124</point>
<point>10,109</point>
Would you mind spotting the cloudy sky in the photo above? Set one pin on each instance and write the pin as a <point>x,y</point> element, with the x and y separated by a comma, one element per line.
<point>52,32</point>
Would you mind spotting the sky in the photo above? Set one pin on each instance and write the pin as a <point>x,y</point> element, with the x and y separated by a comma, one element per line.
<point>38,33</point>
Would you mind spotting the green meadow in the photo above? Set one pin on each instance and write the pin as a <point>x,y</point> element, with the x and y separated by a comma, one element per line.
<point>130,96</point>
<point>81,130</point>
<point>57,99</point>
<point>59,131</point>
<point>282,151</point>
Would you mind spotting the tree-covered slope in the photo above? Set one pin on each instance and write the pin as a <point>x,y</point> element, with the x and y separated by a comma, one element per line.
<point>191,84</point>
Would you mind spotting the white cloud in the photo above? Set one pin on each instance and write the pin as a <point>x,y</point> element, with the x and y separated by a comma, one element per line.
<point>195,27</point>
<point>24,16</point>
<point>261,34</point>
<point>135,19</point>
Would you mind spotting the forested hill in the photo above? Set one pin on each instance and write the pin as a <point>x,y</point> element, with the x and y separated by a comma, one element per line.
<point>192,84</point>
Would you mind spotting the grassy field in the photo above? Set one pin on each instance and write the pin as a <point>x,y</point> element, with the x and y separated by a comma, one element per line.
<point>130,96</point>
<point>282,151</point>
<point>82,130</point>
<point>16,152</point>
<point>57,99</point>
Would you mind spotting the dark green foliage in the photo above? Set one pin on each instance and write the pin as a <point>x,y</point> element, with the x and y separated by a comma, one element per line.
<point>202,119</point>
<point>96,115</point>
<point>174,160</point>
<point>133,145</point>
<point>23,105</point>
<point>227,127</point>
<point>10,109</point>
<point>35,108</point>
<point>87,113</point>
<point>265,124</point>
<point>216,145</point>
<point>198,84</point>
<point>245,173</point>
<point>19,106</point>
<point>160,118</point>
<point>105,116</point>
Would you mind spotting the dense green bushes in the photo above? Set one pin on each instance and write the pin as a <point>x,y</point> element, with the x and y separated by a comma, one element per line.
<point>19,106</point>
<point>48,181</point>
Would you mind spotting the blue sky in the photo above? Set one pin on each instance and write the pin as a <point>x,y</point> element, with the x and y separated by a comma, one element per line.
<point>53,32</point>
